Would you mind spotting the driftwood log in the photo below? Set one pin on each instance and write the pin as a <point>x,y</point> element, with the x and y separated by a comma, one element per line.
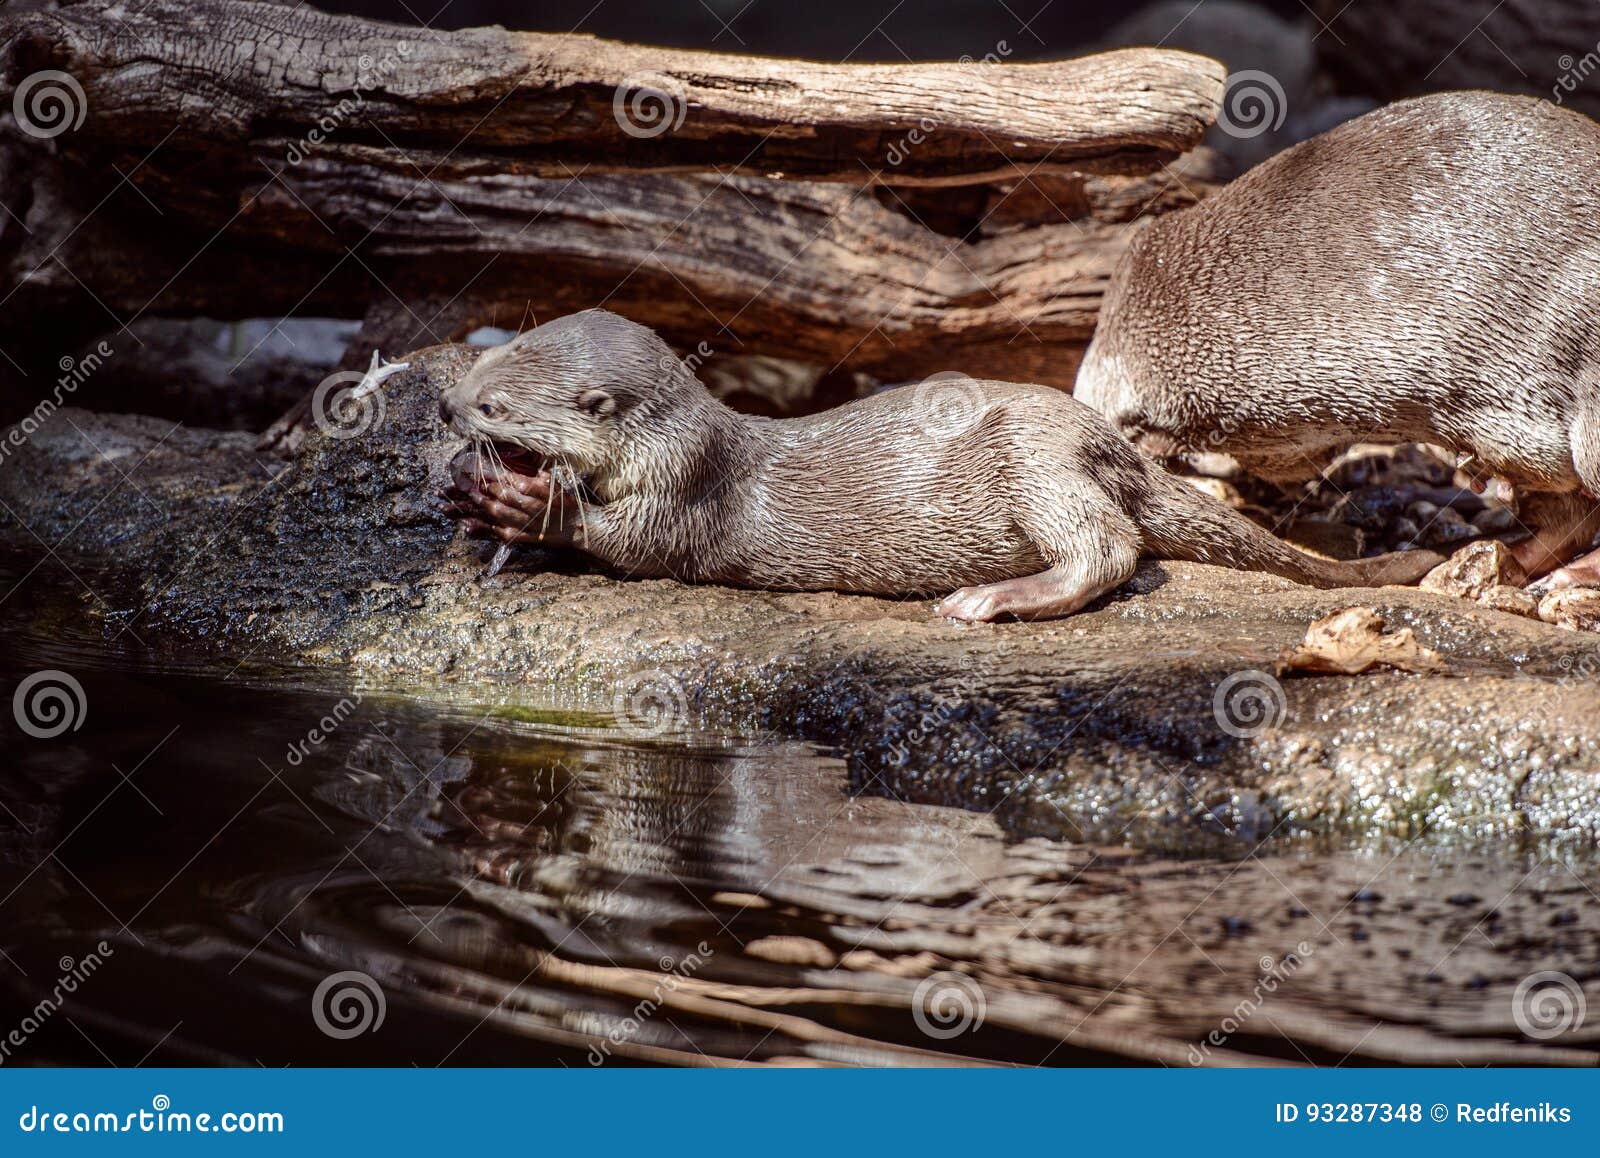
<point>233,159</point>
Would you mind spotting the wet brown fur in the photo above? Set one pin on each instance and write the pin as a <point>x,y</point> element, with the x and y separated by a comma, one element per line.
<point>1023,498</point>
<point>1428,272</point>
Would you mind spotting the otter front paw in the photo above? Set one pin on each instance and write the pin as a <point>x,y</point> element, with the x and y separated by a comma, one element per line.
<point>518,509</point>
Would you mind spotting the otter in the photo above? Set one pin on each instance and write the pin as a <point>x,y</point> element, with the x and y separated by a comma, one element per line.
<point>1428,272</point>
<point>1023,499</point>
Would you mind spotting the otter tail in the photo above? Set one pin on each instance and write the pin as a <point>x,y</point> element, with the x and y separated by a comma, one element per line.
<point>1184,524</point>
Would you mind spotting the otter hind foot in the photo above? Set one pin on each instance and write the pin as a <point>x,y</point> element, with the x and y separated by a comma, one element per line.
<point>1048,595</point>
<point>1582,572</point>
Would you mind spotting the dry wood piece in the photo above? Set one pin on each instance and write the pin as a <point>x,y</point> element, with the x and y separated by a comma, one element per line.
<point>213,73</point>
<point>816,271</point>
<point>1352,641</point>
<point>281,161</point>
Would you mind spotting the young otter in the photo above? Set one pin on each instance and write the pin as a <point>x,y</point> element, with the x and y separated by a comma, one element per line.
<point>1019,496</point>
<point>1428,272</point>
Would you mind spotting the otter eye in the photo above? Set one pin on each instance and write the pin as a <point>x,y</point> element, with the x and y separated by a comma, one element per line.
<point>485,408</point>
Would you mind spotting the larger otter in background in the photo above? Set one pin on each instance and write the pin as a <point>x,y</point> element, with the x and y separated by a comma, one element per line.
<point>1021,497</point>
<point>1429,272</point>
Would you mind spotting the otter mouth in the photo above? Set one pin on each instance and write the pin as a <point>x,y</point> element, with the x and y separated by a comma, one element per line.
<point>528,470</point>
<point>520,460</point>
<point>484,462</point>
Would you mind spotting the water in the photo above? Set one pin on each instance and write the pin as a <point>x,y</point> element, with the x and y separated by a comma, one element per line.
<point>237,864</point>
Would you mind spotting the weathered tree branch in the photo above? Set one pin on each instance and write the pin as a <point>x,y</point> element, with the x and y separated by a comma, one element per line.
<point>238,159</point>
<point>209,73</point>
<point>818,271</point>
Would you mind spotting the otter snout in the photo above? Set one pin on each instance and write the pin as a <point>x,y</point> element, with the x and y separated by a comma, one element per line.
<point>456,403</point>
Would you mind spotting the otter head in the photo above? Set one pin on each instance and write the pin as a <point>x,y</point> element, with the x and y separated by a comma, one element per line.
<point>575,393</point>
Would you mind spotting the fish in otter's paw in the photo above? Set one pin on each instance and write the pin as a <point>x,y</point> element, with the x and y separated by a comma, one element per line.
<point>1429,272</point>
<point>600,438</point>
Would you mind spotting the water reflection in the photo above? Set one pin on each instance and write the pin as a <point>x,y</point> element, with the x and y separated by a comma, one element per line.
<point>286,869</point>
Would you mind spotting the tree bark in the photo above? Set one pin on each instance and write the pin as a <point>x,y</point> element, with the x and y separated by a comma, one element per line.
<point>212,73</point>
<point>236,159</point>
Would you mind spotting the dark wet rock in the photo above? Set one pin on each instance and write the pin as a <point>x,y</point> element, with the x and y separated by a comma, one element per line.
<point>1446,529</point>
<point>1112,724</point>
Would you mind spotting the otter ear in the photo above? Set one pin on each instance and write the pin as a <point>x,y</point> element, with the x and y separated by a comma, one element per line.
<point>604,401</point>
